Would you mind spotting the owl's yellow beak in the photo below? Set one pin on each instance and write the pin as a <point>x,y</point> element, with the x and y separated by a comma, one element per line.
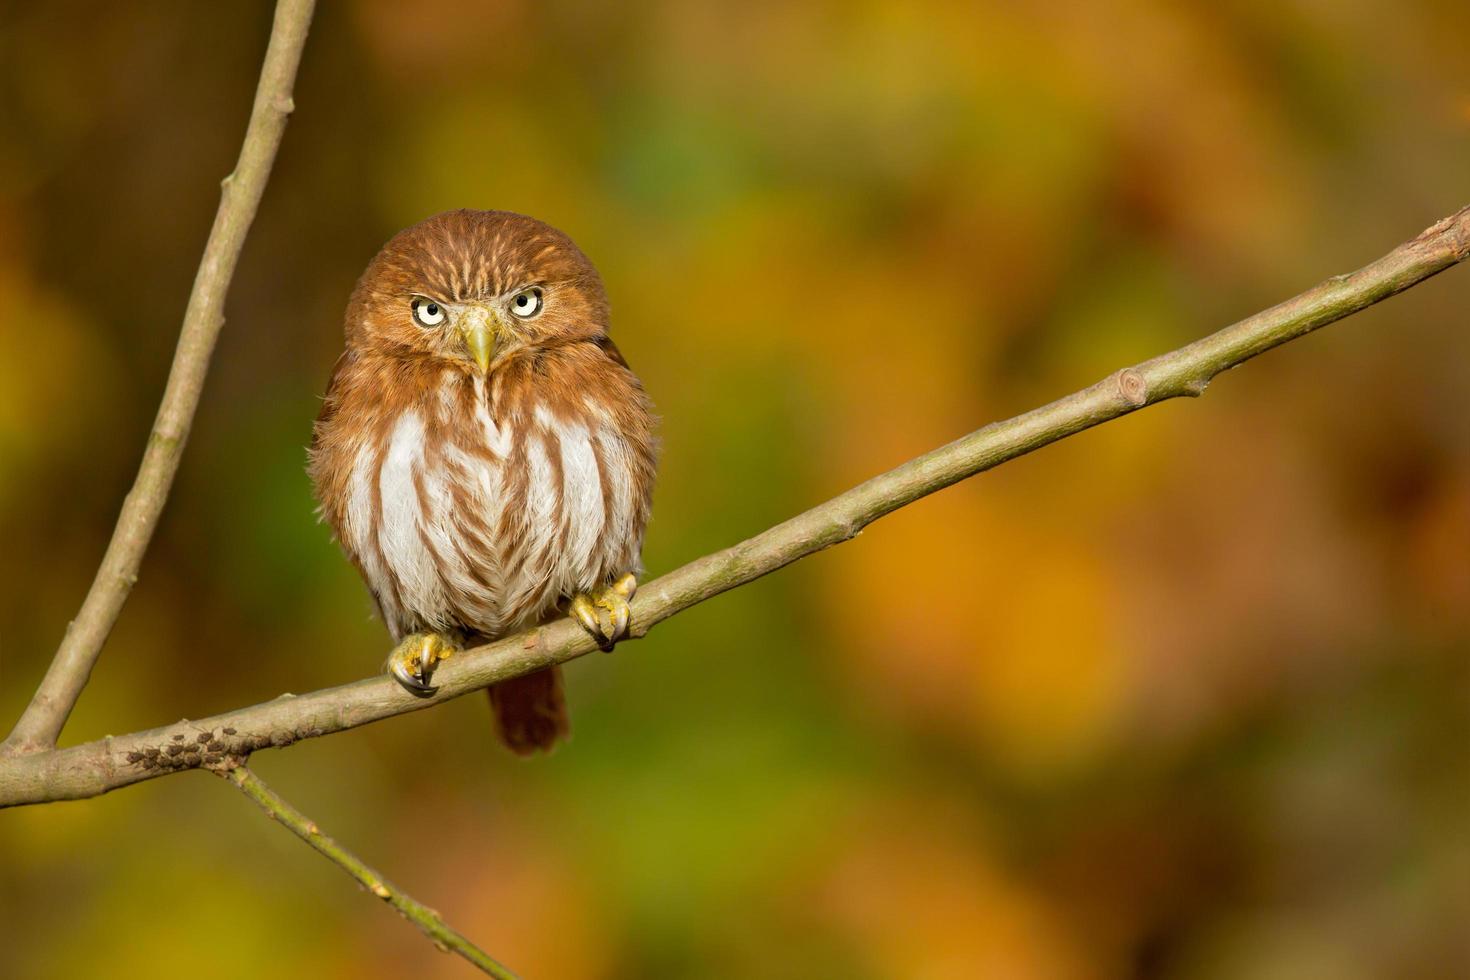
<point>479,326</point>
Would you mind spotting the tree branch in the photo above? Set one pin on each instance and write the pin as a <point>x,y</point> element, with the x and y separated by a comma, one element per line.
<point>225,741</point>
<point>53,701</point>
<point>440,932</point>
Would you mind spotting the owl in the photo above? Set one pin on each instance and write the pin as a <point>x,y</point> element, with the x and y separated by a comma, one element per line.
<point>484,454</point>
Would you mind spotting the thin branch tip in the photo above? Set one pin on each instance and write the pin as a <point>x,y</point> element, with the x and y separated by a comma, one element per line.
<point>41,723</point>
<point>429,922</point>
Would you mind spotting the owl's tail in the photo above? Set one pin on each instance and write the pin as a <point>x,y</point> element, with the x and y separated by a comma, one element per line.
<point>530,711</point>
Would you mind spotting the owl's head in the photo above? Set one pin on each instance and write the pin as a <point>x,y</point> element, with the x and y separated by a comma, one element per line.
<point>472,287</point>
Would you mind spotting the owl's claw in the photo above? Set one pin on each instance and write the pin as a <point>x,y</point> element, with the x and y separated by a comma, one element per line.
<point>412,662</point>
<point>613,599</point>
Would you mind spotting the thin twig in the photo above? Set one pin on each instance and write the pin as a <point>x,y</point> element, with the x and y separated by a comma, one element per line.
<point>41,723</point>
<point>443,935</point>
<point>97,767</point>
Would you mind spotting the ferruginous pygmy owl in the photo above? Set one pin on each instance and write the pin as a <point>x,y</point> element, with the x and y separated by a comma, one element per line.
<point>484,454</point>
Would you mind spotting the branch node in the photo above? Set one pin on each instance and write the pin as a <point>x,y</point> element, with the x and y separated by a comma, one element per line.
<point>1132,387</point>
<point>1456,227</point>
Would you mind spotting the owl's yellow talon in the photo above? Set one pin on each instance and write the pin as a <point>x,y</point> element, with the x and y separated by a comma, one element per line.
<point>619,615</point>
<point>584,612</point>
<point>613,599</point>
<point>412,662</point>
<point>626,586</point>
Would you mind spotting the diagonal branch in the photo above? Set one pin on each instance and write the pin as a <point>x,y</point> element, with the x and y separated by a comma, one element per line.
<point>439,932</point>
<point>225,741</point>
<point>53,701</point>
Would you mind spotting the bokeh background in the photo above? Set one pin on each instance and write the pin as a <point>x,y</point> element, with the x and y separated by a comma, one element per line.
<point>1186,696</point>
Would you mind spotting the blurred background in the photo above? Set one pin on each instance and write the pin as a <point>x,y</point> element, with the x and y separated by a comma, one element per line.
<point>1185,696</point>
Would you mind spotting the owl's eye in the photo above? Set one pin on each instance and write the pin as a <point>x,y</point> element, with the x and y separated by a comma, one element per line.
<point>526,303</point>
<point>427,312</point>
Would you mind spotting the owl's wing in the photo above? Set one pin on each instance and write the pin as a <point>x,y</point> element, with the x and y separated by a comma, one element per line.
<point>331,400</point>
<point>611,350</point>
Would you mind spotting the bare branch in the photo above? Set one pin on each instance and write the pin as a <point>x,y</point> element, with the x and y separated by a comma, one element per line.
<point>53,701</point>
<point>224,741</point>
<point>440,932</point>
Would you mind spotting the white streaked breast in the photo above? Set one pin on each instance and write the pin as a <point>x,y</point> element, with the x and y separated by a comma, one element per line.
<point>581,502</point>
<point>357,531</point>
<point>400,535</point>
<point>622,507</point>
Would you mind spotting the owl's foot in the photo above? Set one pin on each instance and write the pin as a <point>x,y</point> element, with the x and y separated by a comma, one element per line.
<point>610,625</point>
<point>412,662</point>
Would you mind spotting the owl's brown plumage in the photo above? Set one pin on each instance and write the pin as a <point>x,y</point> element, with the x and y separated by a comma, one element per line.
<point>484,451</point>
